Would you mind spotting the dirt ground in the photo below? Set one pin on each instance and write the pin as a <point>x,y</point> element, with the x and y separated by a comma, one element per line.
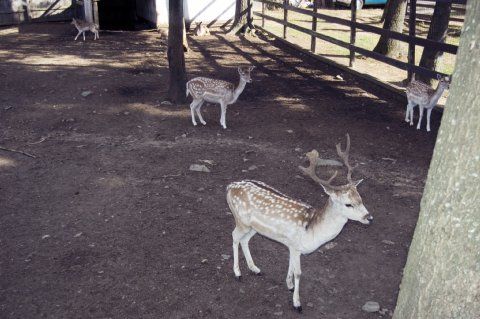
<point>108,222</point>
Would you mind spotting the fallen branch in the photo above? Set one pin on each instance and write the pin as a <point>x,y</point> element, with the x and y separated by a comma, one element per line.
<point>15,151</point>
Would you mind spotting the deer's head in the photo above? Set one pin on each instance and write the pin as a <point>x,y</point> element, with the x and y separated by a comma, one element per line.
<point>345,198</point>
<point>244,72</point>
<point>443,82</point>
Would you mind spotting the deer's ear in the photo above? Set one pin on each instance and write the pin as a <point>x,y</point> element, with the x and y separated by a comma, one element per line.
<point>327,189</point>
<point>252,67</point>
<point>240,70</point>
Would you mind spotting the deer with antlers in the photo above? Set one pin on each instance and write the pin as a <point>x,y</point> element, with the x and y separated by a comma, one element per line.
<point>216,91</point>
<point>259,208</point>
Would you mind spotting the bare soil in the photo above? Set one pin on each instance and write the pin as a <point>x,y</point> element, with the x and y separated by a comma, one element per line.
<point>108,222</point>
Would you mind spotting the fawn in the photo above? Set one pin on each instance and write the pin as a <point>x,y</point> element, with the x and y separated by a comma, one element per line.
<point>421,94</point>
<point>216,91</point>
<point>83,26</point>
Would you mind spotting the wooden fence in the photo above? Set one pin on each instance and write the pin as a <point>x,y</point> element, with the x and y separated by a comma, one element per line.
<point>411,38</point>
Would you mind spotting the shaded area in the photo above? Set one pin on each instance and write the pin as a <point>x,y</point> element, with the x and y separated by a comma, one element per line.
<point>109,222</point>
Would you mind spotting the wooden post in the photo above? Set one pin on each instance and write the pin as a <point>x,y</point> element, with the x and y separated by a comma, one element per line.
<point>285,18</point>
<point>411,32</point>
<point>314,26</point>
<point>263,13</point>
<point>95,13</point>
<point>353,32</point>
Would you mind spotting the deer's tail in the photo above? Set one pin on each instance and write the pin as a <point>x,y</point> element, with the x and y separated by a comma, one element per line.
<point>188,91</point>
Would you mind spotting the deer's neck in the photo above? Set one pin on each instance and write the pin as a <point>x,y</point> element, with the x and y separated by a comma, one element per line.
<point>436,96</point>
<point>325,227</point>
<point>238,90</point>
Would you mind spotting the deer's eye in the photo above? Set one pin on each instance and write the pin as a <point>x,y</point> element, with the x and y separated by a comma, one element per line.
<point>349,205</point>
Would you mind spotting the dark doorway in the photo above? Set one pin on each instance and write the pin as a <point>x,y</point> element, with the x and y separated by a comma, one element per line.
<point>117,14</point>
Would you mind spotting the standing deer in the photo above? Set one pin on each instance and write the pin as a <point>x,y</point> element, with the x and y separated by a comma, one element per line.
<point>83,26</point>
<point>419,93</point>
<point>260,208</point>
<point>216,91</point>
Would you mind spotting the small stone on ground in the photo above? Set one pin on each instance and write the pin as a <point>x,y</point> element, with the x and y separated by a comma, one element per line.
<point>371,306</point>
<point>199,168</point>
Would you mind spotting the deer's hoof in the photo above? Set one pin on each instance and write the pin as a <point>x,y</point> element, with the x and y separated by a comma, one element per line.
<point>298,309</point>
<point>204,123</point>
<point>238,278</point>
<point>291,289</point>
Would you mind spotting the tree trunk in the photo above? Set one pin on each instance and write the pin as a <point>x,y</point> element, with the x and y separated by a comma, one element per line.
<point>384,14</point>
<point>442,275</point>
<point>175,54</point>
<point>437,32</point>
<point>394,19</point>
<point>242,23</point>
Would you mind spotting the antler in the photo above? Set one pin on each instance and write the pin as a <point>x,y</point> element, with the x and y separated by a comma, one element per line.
<point>344,156</point>
<point>310,170</point>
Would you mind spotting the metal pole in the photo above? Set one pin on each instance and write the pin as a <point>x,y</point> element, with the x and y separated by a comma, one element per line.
<point>285,18</point>
<point>411,32</point>
<point>353,32</point>
<point>314,26</point>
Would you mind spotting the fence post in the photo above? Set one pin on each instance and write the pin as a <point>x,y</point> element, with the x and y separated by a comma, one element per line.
<point>285,18</point>
<point>411,32</point>
<point>263,14</point>
<point>96,19</point>
<point>353,32</point>
<point>314,26</point>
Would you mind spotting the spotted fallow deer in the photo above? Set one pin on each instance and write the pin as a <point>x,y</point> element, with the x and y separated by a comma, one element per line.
<point>259,208</point>
<point>216,91</point>
<point>419,93</point>
<point>83,26</point>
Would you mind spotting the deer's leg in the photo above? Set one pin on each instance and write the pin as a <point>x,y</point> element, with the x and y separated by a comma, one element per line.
<point>193,105</point>
<point>297,272</point>
<point>246,251</point>
<point>223,108</point>
<point>79,32</point>
<point>83,35</point>
<point>429,112</point>
<point>289,279</point>
<point>420,116</point>
<point>411,114</point>
<point>199,114</point>
<point>237,235</point>
<point>407,112</point>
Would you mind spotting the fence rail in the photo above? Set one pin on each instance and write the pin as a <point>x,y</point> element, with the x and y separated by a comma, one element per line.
<point>411,39</point>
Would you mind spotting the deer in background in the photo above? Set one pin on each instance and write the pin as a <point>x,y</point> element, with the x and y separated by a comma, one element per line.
<point>260,208</point>
<point>216,91</point>
<point>201,30</point>
<point>83,26</point>
<point>421,94</point>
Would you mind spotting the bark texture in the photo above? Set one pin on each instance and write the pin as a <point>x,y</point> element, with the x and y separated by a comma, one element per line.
<point>394,20</point>
<point>437,32</point>
<point>442,275</point>
<point>175,54</point>
<point>241,23</point>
